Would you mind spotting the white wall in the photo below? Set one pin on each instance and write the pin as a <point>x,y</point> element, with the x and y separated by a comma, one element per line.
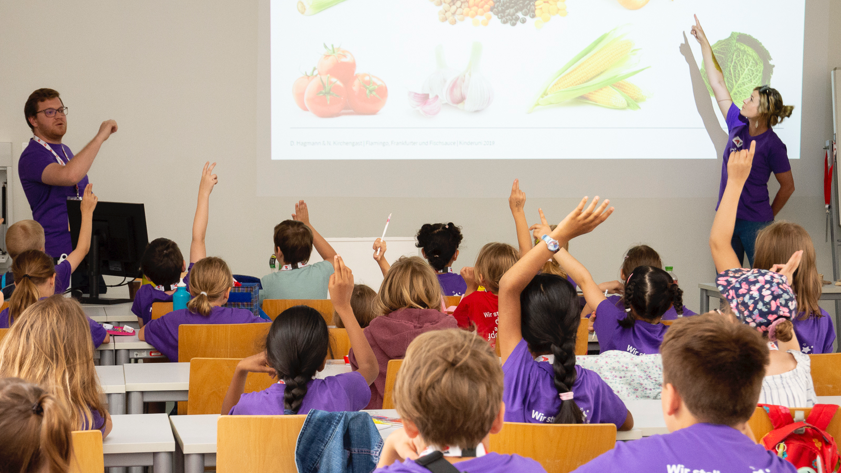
<point>181,79</point>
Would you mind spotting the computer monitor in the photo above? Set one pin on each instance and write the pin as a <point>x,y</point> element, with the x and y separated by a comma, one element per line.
<point>118,240</point>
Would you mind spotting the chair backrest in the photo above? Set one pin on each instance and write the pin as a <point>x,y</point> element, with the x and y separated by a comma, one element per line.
<point>273,307</point>
<point>826,374</point>
<point>220,340</point>
<point>760,424</point>
<point>582,339</point>
<point>159,309</point>
<point>390,379</point>
<point>452,300</point>
<point>87,452</point>
<point>242,440</point>
<point>339,344</point>
<point>209,381</point>
<point>3,332</point>
<point>4,306</point>
<point>667,322</point>
<point>557,447</point>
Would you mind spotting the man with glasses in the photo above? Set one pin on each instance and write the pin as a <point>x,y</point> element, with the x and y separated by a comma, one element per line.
<point>49,172</point>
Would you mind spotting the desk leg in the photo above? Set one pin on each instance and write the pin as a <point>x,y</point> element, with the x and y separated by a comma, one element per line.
<point>135,402</point>
<point>122,357</point>
<point>162,462</point>
<point>193,463</point>
<point>117,403</point>
<point>106,357</point>
<point>705,302</point>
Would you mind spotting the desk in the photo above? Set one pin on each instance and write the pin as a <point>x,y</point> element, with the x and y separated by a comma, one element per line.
<point>138,441</point>
<point>129,347</point>
<point>96,313</point>
<point>113,384</point>
<point>106,353</point>
<point>155,382</point>
<point>648,417</point>
<point>119,314</point>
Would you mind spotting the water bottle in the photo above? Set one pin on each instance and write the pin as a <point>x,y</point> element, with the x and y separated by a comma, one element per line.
<point>671,271</point>
<point>181,297</point>
<point>273,263</point>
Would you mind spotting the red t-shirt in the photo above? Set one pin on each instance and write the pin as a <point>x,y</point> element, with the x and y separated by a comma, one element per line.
<point>480,308</point>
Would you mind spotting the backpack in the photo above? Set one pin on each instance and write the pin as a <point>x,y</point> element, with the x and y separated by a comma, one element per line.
<point>806,445</point>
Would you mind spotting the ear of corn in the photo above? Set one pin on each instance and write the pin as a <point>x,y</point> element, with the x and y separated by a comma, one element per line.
<point>610,97</point>
<point>593,85</point>
<point>630,90</point>
<point>595,65</point>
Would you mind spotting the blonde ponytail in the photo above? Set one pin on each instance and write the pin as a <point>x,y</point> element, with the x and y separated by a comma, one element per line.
<point>210,279</point>
<point>31,269</point>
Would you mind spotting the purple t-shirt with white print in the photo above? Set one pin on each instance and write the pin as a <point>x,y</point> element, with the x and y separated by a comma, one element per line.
<point>701,447</point>
<point>529,392</point>
<point>163,333</point>
<point>771,156</point>
<point>452,284</point>
<point>98,332</point>
<point>815,334</point>
<point>670,314</point>
<point>490,463</point>
<point>340,393</point>
<point>642,339</point>
<point>148,295</point>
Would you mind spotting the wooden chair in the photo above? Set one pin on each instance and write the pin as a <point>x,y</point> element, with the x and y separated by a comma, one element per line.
<point>826,374</point>
<point>667,322</point>
<point>339,344</point>
<point>273,307</point>
<point>760,423</point>
<point>241,443</point>
<point>450,301</point>
<point>209,381</point>
<point>390,379</point>
<point>557,447</point>
<point>3,332</point>
<point>4,306</point>
<point>582,337</point>
<point>159,309</point>
<point>87,452</point>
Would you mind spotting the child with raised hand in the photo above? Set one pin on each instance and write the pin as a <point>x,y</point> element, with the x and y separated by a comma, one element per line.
<point>163,263</point>
<point>439,245</point>
<point>480,307</point>
<point>62,362</point>
<point>762,298</point>
<point>35,432</point>
<point>380,248</point>
<point>296,348</point>
<point>210,287</point>
<point>294,240</point>
<point>712,374</point>
<point>449,395</point>
<point>409,299</point>
<point>539,315</point>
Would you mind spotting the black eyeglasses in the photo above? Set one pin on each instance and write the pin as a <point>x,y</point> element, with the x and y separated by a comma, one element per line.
<point>50,112</point>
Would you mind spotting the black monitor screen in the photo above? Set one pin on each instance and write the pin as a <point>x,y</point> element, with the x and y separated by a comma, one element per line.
<point>120,230</point>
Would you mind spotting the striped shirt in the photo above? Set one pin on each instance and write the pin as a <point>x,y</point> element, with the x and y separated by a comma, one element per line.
<point>791,389</point>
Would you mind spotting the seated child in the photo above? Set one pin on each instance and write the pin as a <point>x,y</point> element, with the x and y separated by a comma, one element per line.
<point>296,348</point>
<point>712,374</point>
<point>449,395</point>
<point>539,317</point>
<point>63,362</point>
<point>363,302</point>
<point>409,298</point>
<point>480,308</point>
<point>163,263</point>
<point>210,286</point>
<point>439,245</point>
<point>813,325</point>
<point>35,433</point>
<point>21,236</point>
<point>293,242</point>
<point>36,279</point>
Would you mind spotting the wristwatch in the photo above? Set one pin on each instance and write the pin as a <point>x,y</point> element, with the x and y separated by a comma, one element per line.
<point>552,243</point>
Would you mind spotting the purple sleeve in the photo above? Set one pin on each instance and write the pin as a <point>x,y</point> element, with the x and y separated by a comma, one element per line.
<point>358,391</point>
<point>98,333</point>
<point>733,117</point>
<point>778,158</point>
<point>32,166</point>
<point>63,271</point>
<point>98,421</point>
<point>607,318</point>
<point>687,312</point>
<point>158,334</point>
<point>610,408</point>
<point>135,306</point>
<point>830,337</point>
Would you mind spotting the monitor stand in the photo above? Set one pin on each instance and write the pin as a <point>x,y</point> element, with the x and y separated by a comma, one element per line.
<point>94,273</point>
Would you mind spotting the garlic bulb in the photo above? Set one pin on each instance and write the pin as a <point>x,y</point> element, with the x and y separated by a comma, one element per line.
<point>434,84</point>
<point>470,90</point>
<point>425,104</point>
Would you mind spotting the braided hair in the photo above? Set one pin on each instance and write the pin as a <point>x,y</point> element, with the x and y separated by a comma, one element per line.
<point>550,317</point>
<point>296,348</point>
<point>649,292</point>
<point>439,242</point>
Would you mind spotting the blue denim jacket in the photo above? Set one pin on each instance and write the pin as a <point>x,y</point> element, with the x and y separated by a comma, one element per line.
<point>338,442</point>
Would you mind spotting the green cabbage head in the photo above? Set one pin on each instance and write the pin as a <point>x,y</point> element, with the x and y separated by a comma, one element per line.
<point>745,62</point>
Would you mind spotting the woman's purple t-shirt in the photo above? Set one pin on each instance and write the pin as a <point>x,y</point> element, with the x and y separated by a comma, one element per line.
<point>163,333</point>
<point>341,393</point>
<point>529,392</point>
<point>452,284</point>
<point>699,448</point>
<point>642,338</point>
<point>670,314</point>
<point>98,332</point>
<point>48,203</point>
<point>490,463</point>
<point>771,156</point>
<point>815,334</point>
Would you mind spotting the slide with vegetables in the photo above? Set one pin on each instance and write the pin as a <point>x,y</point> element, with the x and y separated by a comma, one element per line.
<point>519,79</point>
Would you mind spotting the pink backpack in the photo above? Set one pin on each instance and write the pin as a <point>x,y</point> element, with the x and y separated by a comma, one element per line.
<point>806,445</point>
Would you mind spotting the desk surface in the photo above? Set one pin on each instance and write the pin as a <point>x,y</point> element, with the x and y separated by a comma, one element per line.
<point>139,433</point>
<point>195,434</point>
<point>130,342</point>
<point>112,379</point>
<point>648,417</point>
<point>157,376</point>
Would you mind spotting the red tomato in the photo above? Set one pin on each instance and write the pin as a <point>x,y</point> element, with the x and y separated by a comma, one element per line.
<point>338,63</point>
<point>367,94</point>
<point>300,86</point>
<point>325,96</point>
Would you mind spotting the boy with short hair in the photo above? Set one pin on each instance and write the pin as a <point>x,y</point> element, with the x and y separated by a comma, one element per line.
<point>22,236</point>
<point>712,375</point>
<point>449,395</point>
<point>163,263</point>
<point>294,240</point>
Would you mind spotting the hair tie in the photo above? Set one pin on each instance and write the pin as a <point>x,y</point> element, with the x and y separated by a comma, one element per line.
<point>772,330</point>
<point>629,278</point>
<point>37,409</point>
<point>26,276</point>
<point>566,396</point>
<point>203,293</point>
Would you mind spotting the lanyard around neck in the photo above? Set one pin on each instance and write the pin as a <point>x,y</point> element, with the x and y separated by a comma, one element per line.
<point>477,452</point>
<point>50,149</point>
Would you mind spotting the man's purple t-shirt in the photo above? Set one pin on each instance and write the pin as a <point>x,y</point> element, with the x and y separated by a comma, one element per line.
<point>529,392</point>
<point>700,447</point>
<point>771,156</point>
<point>148,295</point>
<point>670,314</point>
<point>340,393</point>
<point>490,463</point>
<point>815,334</point>
<point>642,339</point>
<point>163,333</point>
<point>48,203</point>
<point>98,332</point>
<point>452,284</point>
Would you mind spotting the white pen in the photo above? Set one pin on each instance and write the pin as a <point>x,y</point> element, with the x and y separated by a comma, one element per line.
<point>384,230</point>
